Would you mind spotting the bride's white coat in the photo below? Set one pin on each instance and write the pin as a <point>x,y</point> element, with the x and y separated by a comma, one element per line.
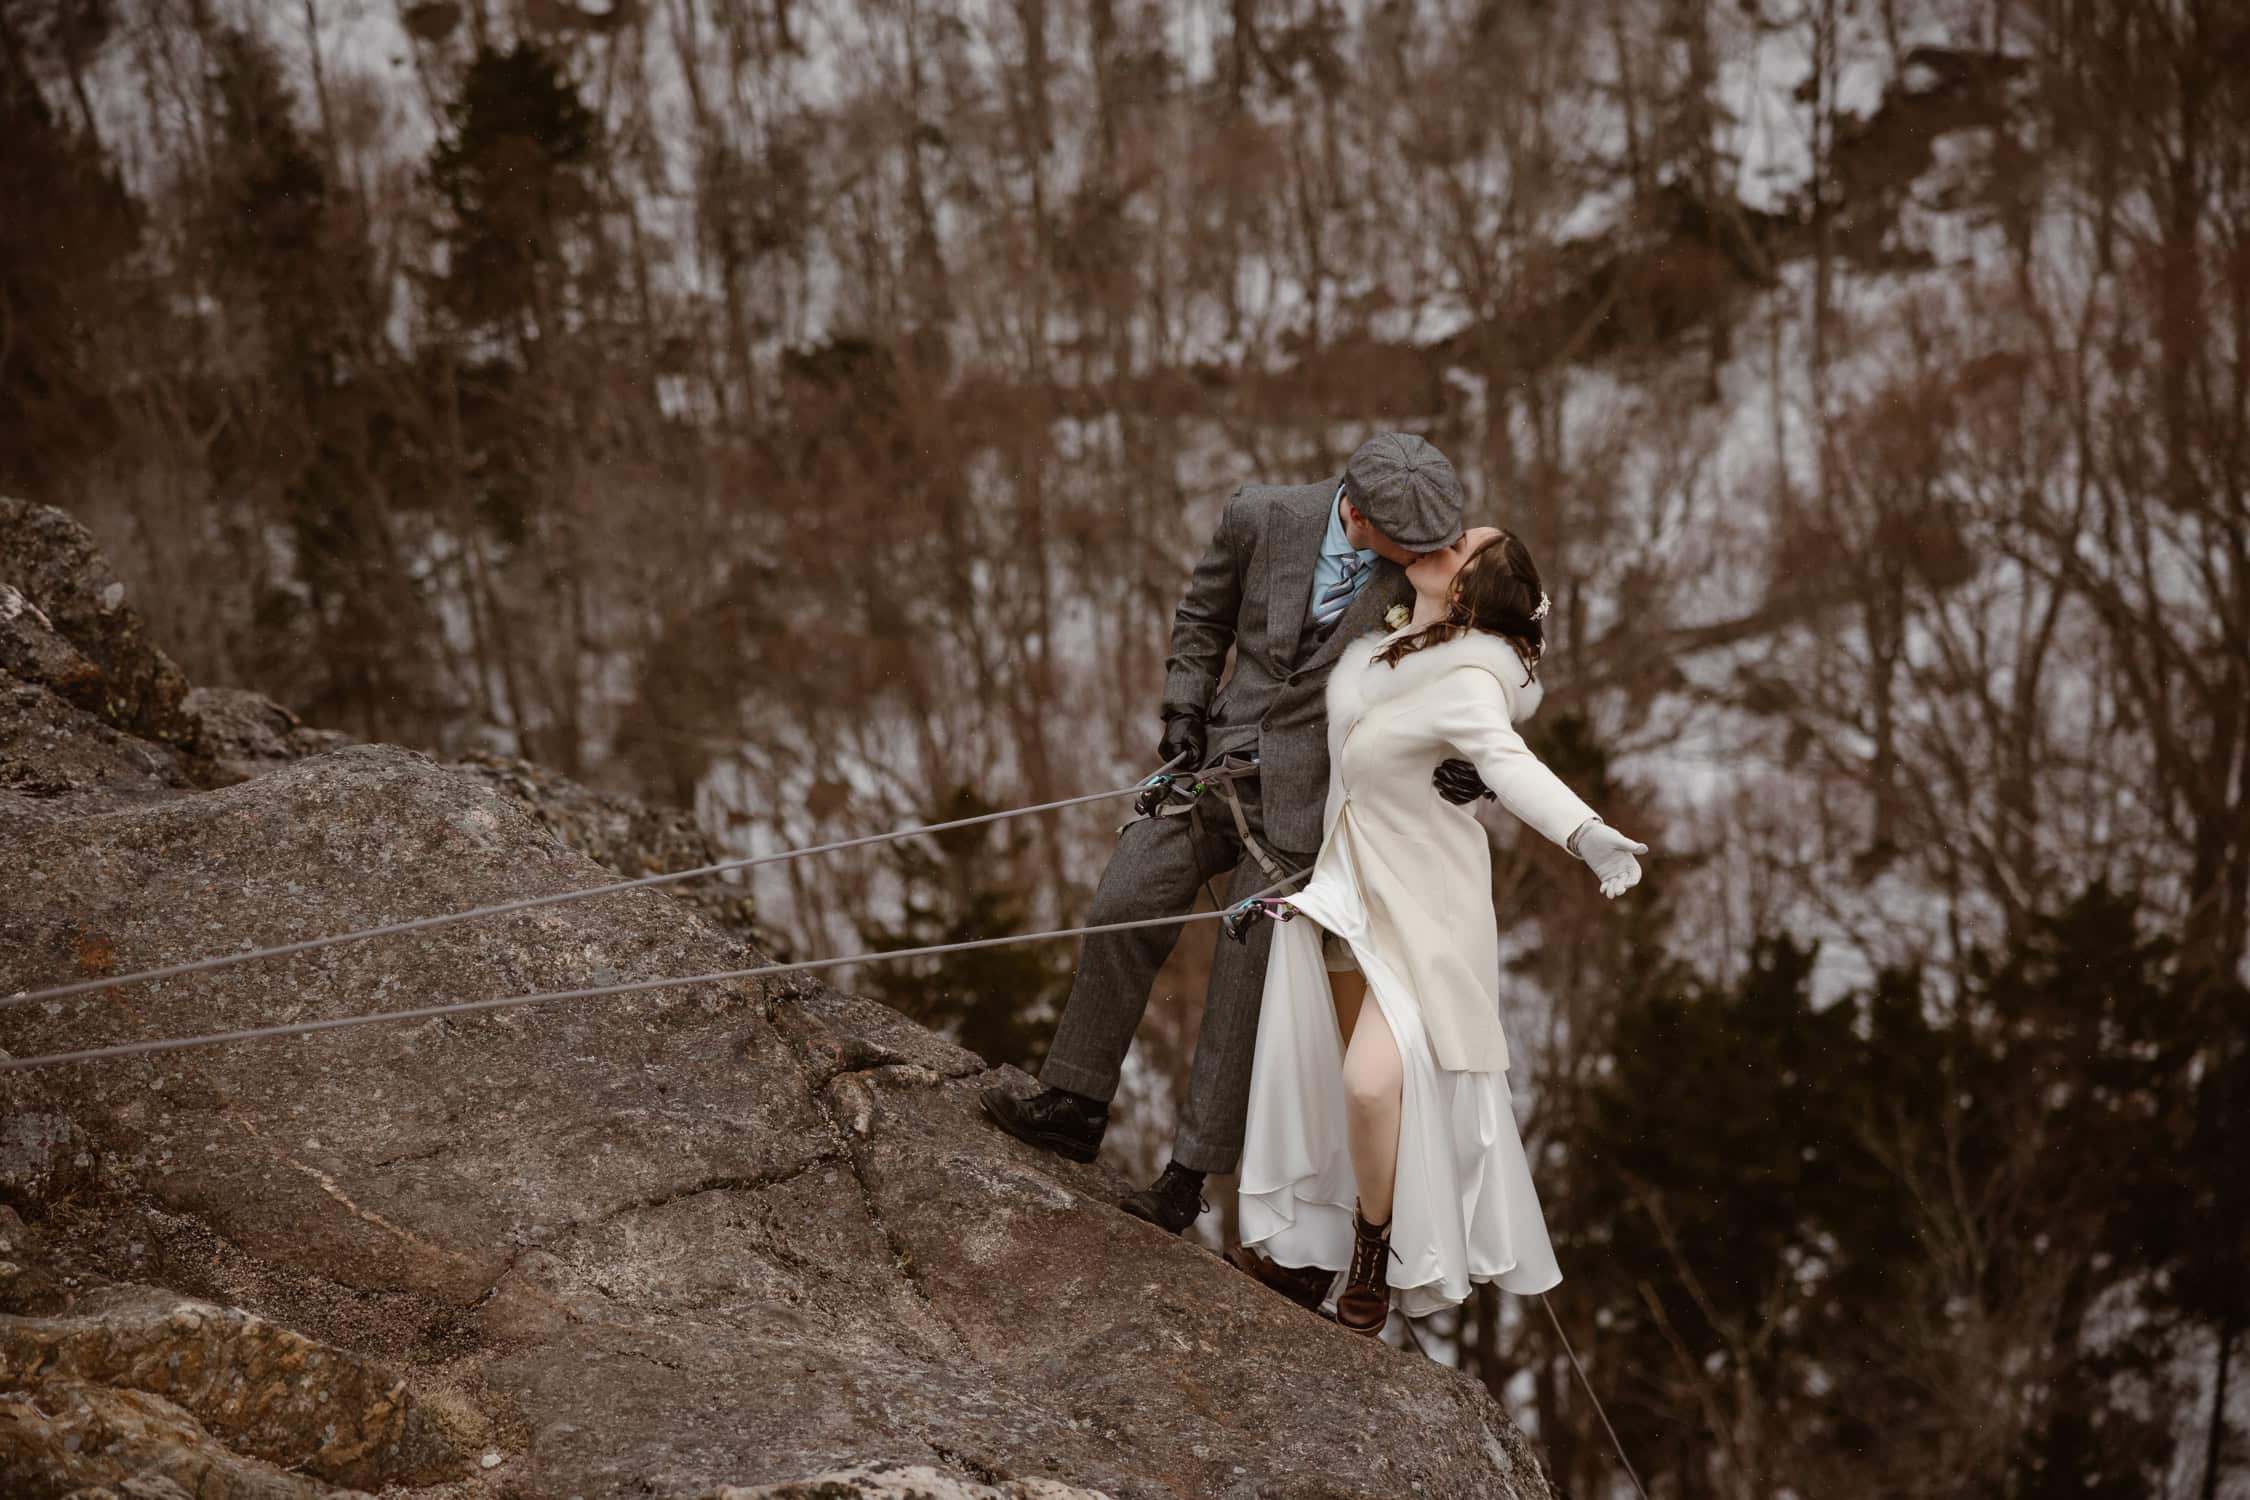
<point>1407,882</point>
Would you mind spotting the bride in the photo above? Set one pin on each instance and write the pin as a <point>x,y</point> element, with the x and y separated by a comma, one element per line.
<point>1381,1140</point>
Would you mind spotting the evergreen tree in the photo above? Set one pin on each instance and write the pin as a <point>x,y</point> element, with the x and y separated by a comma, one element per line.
<point>1814,1228</point>
<point>515,175</point>
<point>306,430</point>
<point>67,231</point>
<point>959,886</point>
<point>2186,1200</point>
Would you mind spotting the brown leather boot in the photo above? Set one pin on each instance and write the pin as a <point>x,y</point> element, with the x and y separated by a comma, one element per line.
<point>1364,1305</point>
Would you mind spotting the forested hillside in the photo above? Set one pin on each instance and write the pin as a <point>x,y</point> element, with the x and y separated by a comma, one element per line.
<point>808,412</point>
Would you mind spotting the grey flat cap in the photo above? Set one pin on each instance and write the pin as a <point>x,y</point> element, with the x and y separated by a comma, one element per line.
<point>1407,488</point>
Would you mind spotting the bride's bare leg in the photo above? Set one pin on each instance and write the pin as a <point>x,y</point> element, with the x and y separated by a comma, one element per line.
<point>1347,988</point>
<point>1373,1080</point>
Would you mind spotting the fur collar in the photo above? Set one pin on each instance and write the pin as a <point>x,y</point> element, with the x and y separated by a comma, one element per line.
<point>1360,683</point>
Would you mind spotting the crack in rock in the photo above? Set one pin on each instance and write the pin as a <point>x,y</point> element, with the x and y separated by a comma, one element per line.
<point>755,1183</point>
<point>900,1258</point>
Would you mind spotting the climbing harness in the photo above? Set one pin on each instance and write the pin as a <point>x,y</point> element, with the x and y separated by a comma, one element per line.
<point>1158,792</point>
<point>1266,862</point>
<point>1172,795</point>
<point>1156,788</point>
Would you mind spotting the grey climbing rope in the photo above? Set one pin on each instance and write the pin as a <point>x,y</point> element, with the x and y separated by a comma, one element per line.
<point>528,903</point>
<point>465,1007</point>
<point>1589,1385</point>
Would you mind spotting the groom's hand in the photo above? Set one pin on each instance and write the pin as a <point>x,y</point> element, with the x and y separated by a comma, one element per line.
<point>1183,735</point>
<point>1457,782</point>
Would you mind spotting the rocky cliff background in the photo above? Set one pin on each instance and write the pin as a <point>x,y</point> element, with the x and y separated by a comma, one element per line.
<point>746,1235</point>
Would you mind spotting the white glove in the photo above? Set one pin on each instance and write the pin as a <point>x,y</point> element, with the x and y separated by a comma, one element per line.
<point>1609,854</point>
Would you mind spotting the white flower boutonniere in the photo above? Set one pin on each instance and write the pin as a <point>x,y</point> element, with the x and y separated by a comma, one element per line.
<point>1397,616</point>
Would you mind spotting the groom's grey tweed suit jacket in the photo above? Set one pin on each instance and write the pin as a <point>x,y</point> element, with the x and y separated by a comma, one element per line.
<point>1253,591</point>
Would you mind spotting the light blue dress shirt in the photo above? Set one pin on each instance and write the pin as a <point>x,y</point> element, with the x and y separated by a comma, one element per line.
<point>1334,548</point>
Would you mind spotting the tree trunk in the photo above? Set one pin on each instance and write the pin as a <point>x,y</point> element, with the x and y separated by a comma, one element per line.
<point>2215,1446</point>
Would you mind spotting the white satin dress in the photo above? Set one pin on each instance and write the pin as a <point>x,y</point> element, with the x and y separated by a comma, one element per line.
<point>1405,881</point>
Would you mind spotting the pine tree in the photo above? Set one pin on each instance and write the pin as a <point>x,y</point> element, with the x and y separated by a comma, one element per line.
<point>67,229</point>
<point>956,887</point>
<point>515,176</point>
<point>305,439</point>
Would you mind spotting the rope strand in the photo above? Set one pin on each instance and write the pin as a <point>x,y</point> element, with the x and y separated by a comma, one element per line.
<point>527,903</point>
<point>1589,1385</point>
<point>464,1007</point>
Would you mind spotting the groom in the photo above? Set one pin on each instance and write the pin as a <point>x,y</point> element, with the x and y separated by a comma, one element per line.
<point>1294,575</point>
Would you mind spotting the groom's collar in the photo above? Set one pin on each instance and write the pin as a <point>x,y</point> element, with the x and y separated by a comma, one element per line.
<point>1336,543</point>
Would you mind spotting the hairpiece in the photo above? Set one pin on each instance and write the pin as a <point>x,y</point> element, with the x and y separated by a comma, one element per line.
<point>1541,612</point>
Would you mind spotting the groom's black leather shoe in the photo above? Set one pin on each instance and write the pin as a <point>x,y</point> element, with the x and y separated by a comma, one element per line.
<point>1172,1202</point>
<point>1053,1120</point>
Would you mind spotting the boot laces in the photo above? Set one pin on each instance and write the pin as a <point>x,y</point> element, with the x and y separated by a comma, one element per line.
<point>1058,1107</point>
<point>1168,1184</point>
<point>1371,1256</point>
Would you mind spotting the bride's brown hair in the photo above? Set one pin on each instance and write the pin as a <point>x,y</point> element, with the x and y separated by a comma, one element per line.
<point>1497,591</point>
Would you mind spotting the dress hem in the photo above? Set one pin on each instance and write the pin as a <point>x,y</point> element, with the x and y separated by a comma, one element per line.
<point>1432,1305</point>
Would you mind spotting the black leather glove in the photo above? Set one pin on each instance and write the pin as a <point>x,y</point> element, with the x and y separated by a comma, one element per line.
<point>1183,735</point>
<point>1457,782</point>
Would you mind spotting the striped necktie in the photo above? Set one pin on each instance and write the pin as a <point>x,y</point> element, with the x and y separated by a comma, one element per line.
<point>1338,595</point>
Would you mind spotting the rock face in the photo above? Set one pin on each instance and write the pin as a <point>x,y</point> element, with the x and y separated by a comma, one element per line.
<point>138,1369</point>
<point>630,838</point>
<point>900,1482</point>
<point>240,734</point>
<point>81,639</point>
<point>734,1238</point>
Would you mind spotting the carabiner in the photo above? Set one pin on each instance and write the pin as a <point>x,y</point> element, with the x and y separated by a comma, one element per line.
<point>1236,923</point>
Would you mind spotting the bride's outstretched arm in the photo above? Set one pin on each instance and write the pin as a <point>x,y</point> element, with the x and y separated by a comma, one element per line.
<point>1479,722</point>
<point>1476,720</point>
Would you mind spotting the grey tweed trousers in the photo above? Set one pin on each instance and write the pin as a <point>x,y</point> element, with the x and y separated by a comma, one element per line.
<point>1159,866</point>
